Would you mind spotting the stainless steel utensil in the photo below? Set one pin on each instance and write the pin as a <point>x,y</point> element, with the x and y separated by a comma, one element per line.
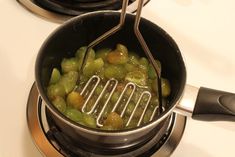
<point>94,81</point>
<point>149,56</point>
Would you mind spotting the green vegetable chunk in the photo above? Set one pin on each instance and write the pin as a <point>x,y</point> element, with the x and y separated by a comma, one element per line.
<point>92,67</point>
<point>115,71</point>
<point>133,58</point>
<point>68,81</point>
<point>165,85</point>
<point>144,63</point>
<point>147,116</point>
<point>59,103</point>
<point>137,77</point>
<point>102,53</point>
<point>74,115</point>
<point>69,64</point>
<point>166,89</point>
<point>90,56</point>
<point>151,71</point>
<point>55,90</point>
<point>154,101</point>
<point>55,76</point>
<point>99,89</point>
<point>89,120</point>
<point>130,67</point>
<point>114,97</point>
<point>130,108</point>
<point>122,48</point>
<point>80,54</point>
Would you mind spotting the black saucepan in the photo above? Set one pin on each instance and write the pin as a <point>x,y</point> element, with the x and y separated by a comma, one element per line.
<point>81,30</point>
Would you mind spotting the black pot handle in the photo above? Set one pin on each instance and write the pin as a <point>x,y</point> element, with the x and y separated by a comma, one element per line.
<point>214,105</point>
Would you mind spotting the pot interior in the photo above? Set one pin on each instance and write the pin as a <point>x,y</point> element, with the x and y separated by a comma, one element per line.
<point>82,30</point>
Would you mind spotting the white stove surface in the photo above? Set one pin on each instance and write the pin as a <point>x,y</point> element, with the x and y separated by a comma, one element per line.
<point>203,29</point>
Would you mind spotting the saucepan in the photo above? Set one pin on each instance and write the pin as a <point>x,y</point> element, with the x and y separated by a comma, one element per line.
<point>202,103</point>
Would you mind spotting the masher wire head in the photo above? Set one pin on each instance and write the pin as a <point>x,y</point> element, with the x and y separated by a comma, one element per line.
<point>91,86</point>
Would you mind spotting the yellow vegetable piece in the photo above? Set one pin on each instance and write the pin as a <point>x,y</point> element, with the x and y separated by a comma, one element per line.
<point>116,57</point>
<point>114,121</point>
<point>75,100</point>
<point>119,55</point>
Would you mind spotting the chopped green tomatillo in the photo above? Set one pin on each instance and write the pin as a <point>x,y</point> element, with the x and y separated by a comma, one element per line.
<point>115,71</point>
<point>59,103</point>
<point>102,53</point>
<point>69,64</point>
<point>69,80</point>
<point>122,49</point>
<point>92,68</point>
<point>133,58</point>
<point>165,87</point>
<point>55,90</point>
<point>89,120</point>
<point>74,115</point>
<point>144,64</point>
<point>80,55</point>
<point>137,77</point>
<point>55,76</point>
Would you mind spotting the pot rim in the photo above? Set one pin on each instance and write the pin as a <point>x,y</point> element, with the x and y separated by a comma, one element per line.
<point>124,132</point>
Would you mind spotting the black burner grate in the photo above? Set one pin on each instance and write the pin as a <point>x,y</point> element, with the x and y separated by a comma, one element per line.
<point>70,149</point>
<point>77,7</point>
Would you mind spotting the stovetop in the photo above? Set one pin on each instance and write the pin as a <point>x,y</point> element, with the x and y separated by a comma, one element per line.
<point>204,31</point>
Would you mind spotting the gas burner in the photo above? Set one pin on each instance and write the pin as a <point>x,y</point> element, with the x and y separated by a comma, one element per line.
<point>51,142</point>
<point>62,10</point>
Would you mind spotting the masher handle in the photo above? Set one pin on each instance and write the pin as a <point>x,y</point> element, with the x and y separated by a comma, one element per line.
<point>114,29</point>
<point>106,34</point>
<point>207,104</point>
<point>213,105</point>
<point>147,50</point>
